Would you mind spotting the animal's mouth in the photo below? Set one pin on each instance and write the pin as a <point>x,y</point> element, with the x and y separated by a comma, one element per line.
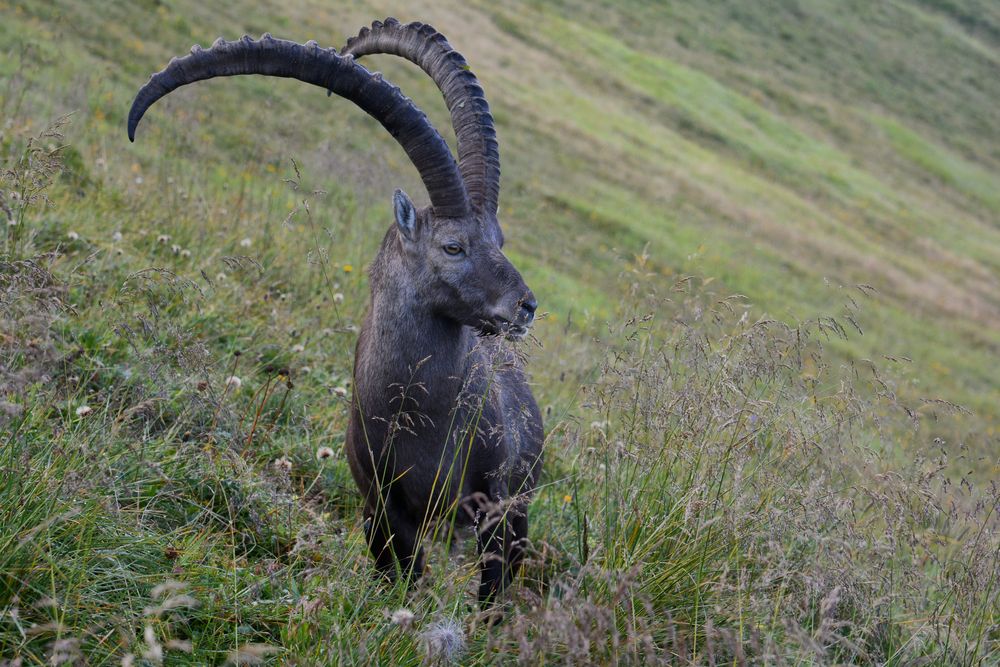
<point>516,332</point>
<point>508,329</point>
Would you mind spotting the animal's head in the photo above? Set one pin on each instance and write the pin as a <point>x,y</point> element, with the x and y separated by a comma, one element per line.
<point>450,250</point>
<point>459,271</point>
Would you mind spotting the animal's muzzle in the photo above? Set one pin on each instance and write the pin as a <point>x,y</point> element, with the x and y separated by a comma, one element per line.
<point>526,310</point>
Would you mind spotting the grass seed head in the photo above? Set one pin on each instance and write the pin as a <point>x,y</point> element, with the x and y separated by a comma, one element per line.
<point>443,642</point>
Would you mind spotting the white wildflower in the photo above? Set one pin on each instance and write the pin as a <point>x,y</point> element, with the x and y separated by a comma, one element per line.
<point>116,237</point>
<point>84,410</point>
<point>234,383</point>
<point>340,391</point>
<point>246,243</point>
<point>153,652</point>
<point>178,601</point>
<point>250,654</point>
<point>298,348</point>
<point>182,645</point>
<point>185,253</point>
<point>168,586</point>
<point>323,453</point>
<point>73,236</point>
<point>283,463</point>
<point>163,238</point>
<point>402,617</point>
<point>338,298</point>
<point>65,651</point>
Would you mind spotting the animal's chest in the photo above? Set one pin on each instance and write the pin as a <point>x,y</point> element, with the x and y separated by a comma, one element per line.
<point>440,434</point>
<point>437,460</point>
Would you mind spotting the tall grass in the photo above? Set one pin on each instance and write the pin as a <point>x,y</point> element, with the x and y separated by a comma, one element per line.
<point>738,499</point>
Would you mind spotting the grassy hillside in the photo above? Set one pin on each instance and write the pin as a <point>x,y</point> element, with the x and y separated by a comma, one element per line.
<point>779,476</point>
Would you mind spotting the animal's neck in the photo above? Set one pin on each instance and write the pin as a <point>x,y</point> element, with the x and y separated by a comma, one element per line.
<point>407,348</point>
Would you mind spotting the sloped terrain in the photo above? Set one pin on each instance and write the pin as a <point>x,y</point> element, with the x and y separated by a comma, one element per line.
<point>767,238</point>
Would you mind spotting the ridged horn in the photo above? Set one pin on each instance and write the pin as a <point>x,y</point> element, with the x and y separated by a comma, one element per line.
<point>341,75</point>
<point>478,151</point>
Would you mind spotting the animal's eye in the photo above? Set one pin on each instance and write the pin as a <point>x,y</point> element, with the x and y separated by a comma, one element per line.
<point>453,249</point>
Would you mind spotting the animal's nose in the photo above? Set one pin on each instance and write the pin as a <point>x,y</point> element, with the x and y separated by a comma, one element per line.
<point>528,307</point>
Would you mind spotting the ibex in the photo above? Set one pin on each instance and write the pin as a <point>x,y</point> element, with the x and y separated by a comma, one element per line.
<point>443,423</point>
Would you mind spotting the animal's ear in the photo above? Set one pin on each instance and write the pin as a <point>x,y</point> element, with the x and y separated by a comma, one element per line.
<point>406,214</point>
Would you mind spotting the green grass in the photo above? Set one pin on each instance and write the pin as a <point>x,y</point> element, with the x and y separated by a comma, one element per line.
<point>727,479</point>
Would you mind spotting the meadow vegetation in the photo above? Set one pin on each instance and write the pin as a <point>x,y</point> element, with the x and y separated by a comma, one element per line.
<point>766,239</point>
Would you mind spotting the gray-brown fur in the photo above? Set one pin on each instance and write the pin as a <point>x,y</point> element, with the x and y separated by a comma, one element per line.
<point>444,412</point>
<point>443,423</point>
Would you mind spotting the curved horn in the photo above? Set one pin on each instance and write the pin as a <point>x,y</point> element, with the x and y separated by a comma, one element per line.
<point>325,68</point>
<point>478,152</point>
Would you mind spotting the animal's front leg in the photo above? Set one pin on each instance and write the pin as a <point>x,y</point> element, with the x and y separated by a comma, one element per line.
<point>392,540</point>
<point>494,536</point>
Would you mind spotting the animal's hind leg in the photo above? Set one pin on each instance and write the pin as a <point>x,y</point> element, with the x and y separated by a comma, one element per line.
<point>392,540</point>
